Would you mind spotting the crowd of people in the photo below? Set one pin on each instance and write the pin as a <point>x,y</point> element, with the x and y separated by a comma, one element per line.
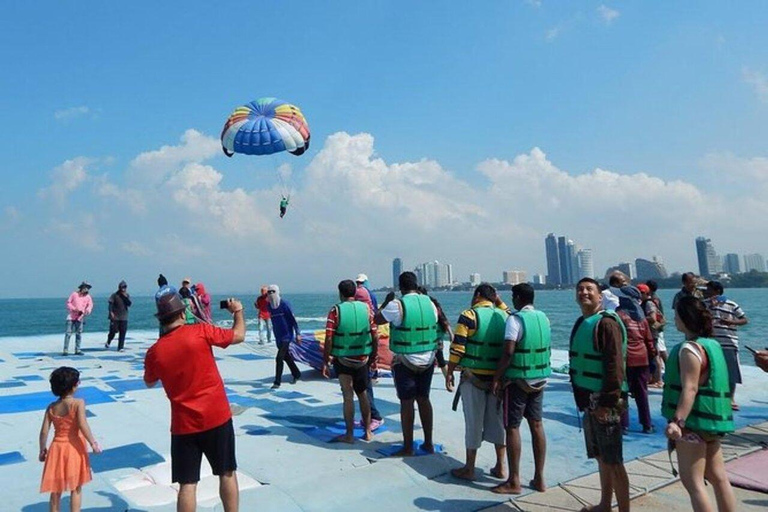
<point>502,354</point>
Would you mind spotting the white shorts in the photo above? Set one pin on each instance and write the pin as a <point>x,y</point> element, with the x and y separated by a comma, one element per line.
<point>661,345</point>
<point>483,419</point>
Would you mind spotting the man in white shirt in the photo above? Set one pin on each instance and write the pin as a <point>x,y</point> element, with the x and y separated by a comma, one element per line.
<point>413,341</point>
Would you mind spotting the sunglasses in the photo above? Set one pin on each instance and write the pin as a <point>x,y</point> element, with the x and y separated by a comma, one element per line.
<point>271,291</point>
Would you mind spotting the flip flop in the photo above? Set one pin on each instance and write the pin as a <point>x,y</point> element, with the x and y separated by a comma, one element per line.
<point>735,407</point>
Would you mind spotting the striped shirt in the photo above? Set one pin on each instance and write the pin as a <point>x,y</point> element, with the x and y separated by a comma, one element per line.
<point>465,329</point>
<point>725,334</point>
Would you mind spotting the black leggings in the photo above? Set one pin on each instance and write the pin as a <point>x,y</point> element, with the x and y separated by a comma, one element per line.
<point>283,355</point>
<point>115,327</point>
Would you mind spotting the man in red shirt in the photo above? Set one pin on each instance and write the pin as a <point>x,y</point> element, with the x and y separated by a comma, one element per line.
<point>262,305</point>
<point>201,421</point>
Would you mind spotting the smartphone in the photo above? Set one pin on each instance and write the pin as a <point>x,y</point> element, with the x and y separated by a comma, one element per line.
<point>751,349</point>
<point>224,304</point>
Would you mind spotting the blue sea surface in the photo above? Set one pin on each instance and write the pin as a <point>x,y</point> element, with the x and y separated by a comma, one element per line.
<point>34,317</point>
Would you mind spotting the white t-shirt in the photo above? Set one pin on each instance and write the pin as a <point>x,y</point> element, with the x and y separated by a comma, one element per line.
<point>514,332</point>
<point>610,299</point>
<point>393,314</point>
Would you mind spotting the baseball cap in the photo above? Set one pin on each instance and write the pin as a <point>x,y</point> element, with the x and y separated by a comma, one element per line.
<point>361,278</point>
<point>643,288</point>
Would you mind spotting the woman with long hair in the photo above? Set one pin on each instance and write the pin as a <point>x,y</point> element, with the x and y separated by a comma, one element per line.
<point>697,404</point>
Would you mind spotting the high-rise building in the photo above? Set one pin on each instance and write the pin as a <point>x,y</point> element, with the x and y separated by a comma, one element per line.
<point>539,279</point>
<point>731,264</point>
<point>584,263</point>
<point>553,260</point>
<point>709,261</point>
<point>474,279</point>
<point>653,269</point>
<point>754,262</point>
<point>397,269</point>
<point>434,274</point>
<point>514,277</point>
<point>565,260</point>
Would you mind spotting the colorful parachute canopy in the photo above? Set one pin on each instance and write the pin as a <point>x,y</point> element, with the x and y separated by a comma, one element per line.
<point>265,126</point>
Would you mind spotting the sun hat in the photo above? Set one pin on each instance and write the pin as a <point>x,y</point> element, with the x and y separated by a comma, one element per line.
<point>169,305</point>
<point>361,278</point>
<point>84,284</point>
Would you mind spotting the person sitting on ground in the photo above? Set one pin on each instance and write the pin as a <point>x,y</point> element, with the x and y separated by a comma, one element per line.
<point>351,339</point>
<point>697,405</point>
<point>524,366</point>
<point>477,346</point>
<point>597,357</point>
<point>201,422</point>
<point>727,316</point>
<point>413,341</point>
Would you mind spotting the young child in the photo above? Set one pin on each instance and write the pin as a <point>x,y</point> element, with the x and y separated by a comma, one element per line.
<point>66,461</point>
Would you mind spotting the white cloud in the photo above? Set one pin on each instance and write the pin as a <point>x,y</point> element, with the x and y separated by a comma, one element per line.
<point>79,231</point>
<point>152,167</point>
<point>136,248</point>
<point>758,81</point>
<point>534,3</point>
<point>607,15</point>
<point>552,33</point>
<point>133,199</point>
<point>66,178</point>
<point>71,113</point>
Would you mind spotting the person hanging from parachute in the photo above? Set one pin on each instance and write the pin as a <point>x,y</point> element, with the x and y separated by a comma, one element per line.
<point>264,127</point>
<point>284,205</point>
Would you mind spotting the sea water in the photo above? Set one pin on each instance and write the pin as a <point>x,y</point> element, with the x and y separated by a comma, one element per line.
<point>32,317</point>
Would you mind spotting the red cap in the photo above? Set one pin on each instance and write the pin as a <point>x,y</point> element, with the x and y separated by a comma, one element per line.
<point>643,288</point>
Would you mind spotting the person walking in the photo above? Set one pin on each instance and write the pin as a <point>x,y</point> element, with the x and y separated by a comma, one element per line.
<point>119,302</point>
<point>264,322</point>
<point>597,354</point>
<point>79,306</point>
<point>352,341</point>
<point>67,467</point>
<point>697,405</point>
<point>201,421</point>
<point>286,331</point>
<point>727,316</point>
<point>640,352</point>
<point>477,346</point>
<point>525,367</point>
<point>413,341</point>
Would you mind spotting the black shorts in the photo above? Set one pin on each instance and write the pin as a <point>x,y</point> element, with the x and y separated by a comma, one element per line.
<point>522,405</point>
<point>411,384</point>
<point>603,440</point>
<point>359,375</point>
<point>218,445</point>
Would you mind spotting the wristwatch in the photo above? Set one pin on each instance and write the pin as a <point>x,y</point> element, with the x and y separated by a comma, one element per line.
<point>679,422</point>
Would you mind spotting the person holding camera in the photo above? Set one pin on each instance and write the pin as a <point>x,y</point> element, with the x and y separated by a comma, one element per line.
<point>201,420</point>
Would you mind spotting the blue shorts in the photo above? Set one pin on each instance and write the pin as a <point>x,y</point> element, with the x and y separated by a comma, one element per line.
<point>411,384</point>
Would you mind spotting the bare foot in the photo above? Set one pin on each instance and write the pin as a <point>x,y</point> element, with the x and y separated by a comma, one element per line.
<point>507,488</point>
<point>463,473</point>
<point>368,436</point>
<point>402,452</point>
<point>538,484</point>
<point>429,448</point>
<point>344,438</point>
<point>498,472</point>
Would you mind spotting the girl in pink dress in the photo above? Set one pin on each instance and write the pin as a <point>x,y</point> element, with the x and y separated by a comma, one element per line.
<point>66,461</point>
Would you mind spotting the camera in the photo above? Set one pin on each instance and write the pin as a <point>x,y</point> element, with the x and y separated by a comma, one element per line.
<point>224,304</point>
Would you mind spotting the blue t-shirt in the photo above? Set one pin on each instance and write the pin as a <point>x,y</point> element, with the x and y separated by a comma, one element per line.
<point>284,324</point>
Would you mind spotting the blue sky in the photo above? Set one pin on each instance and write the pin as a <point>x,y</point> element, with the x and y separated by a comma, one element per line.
<point>661,88</point>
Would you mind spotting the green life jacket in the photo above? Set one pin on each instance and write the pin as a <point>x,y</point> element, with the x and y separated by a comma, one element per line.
<point>189,316</point>
<point>532,353</point>
<point>586,363</point>
<point>353,330</point>
<point>485,346</point>
<point>711,410</point>
<point>418,330</point>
